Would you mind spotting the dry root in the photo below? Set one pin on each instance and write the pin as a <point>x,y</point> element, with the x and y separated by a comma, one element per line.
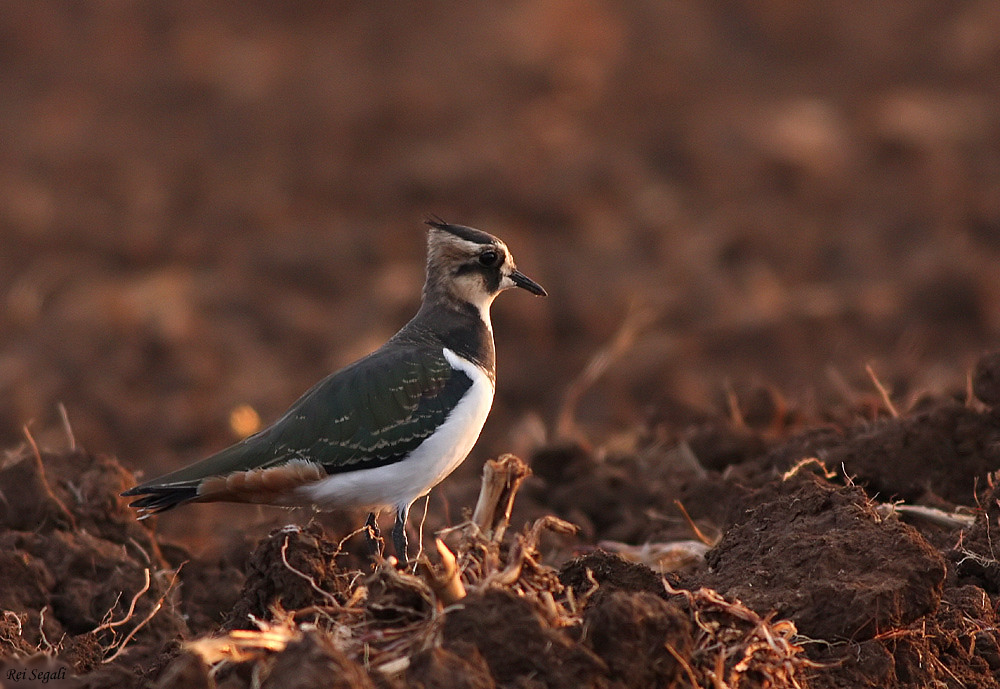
<point>241,645</point>
<point>735,647</point>
<point>445,581</point>
<point>118,647</point>
<point>661,557</point>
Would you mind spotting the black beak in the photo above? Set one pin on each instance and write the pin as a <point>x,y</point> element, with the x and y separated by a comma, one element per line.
<point>524,282</point>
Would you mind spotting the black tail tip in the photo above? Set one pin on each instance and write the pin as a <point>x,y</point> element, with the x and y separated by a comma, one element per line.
<point>160,499</point>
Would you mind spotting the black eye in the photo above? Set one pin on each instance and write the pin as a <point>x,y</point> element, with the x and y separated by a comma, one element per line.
<point>489,258</point>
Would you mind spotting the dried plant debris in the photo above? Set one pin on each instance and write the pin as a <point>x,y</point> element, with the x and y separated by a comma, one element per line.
<point>80,577</point>
<point>805,578</point>
<point>601,621</point>
<point>976,556</point>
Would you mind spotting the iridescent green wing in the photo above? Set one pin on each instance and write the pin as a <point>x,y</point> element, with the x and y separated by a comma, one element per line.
<point>372,413</point>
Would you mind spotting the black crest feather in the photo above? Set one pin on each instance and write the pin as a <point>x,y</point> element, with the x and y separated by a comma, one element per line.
<point>469,234</point>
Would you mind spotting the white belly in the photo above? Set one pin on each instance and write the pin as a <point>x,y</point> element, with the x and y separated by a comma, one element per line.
<point>403,482</point>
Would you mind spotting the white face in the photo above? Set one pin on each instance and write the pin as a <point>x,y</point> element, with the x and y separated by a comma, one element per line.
<point>471,266</point>
<point>481,271</point>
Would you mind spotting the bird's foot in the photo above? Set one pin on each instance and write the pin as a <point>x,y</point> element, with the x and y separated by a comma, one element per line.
<point>373,537</point>
<point>399,537</point>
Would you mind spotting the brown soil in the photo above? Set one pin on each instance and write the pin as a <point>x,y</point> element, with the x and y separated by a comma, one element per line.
<point>790,551</point>
<point>815,581</point>
<point>735,207</point>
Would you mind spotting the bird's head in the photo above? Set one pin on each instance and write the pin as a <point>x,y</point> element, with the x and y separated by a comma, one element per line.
<point>470,265</point>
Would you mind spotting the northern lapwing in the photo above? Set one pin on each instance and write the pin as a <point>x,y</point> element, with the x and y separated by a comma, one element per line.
<point>386,429</point>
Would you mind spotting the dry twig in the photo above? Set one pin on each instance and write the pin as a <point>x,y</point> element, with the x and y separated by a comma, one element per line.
<point>311,581</point>
<point>661,557</point>
<point>803,463</point>
<point>67,428</point>
<point>932,515</point>
<point>635,322</point>
<point>241,645</point>
<point>694,527</point>
<point>49,648</point>
<point>502,479</point>
<point>109,624</point>
<point>446,581</point>
<point>733,404</point>
<point>733,635</point>
<point>145,621</point>
<point>43,478</point>
<point>882,391</point>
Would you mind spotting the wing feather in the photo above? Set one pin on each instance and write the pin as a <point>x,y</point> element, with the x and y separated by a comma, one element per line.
<point>369,414</point>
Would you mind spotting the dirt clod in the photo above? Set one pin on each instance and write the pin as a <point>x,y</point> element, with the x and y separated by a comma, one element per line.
<point>622,628</point>
<point>314,663</point>
<point>807,556</point>
<point>294,568</point>
<point>604,572</point>
<point>76,562</point>
<point>937,453</point>
<point>986,379</point>
<point>461,667</point>
<point>822,557</point>
<point>976,557</point>
<point>186,670</point>
<point>516,643</point>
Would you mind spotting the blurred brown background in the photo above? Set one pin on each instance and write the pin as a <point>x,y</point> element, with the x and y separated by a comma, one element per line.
<point>205,205</point>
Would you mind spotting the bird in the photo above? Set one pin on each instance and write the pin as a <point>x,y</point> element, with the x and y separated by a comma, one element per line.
<point>383,431</point>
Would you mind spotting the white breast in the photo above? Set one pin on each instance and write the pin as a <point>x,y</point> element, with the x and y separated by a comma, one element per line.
<point>405,481</point>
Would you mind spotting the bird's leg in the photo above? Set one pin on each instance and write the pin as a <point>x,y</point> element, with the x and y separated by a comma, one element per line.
<point>373,536</point>
<point>399,534</point>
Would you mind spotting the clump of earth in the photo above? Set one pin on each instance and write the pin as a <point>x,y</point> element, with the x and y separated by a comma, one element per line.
<point>848,554</point>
